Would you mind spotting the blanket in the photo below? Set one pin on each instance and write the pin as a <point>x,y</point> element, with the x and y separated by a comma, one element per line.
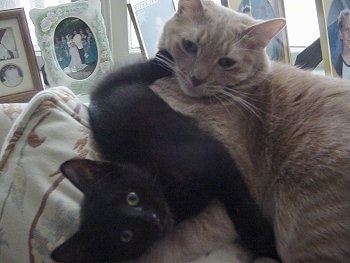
<point>39,208</point>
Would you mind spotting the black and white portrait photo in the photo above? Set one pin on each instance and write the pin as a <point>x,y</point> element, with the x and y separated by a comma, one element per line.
<point>8,48</point>
<point>11,75</point>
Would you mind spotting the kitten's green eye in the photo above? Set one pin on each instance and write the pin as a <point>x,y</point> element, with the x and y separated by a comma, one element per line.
<point>126,236</point>
<point>226,62</point>
<point>189,46</point>
<point>132,199</point>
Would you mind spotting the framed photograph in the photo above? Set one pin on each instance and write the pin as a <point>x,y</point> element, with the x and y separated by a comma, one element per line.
<point>278,49</point>
<point>73,43</point>
<point>225,3</point>
<point>19,72</point>
<point>148,18</point>
<point>334,21</point>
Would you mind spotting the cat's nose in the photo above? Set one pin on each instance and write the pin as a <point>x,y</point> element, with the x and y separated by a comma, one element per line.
<point>196,81</point>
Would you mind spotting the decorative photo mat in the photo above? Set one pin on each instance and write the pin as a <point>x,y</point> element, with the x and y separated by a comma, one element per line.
<point>19,72</point>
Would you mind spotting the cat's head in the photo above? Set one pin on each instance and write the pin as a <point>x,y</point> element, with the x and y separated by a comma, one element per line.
<point>123,213</point>
<point>216,49</point>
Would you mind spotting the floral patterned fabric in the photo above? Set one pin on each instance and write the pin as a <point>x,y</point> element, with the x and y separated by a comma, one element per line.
<point>8,114</point>
<point>39,209</point>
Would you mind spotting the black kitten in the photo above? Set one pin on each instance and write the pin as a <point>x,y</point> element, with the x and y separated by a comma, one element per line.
<point>122,213</point>
<point>132,125</point>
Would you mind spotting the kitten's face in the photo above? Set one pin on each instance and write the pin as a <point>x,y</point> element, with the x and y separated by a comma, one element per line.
<point>215,49</point>
<point>122,214</point>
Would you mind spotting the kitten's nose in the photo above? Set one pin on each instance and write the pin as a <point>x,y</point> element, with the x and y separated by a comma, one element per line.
<point>196,82</point>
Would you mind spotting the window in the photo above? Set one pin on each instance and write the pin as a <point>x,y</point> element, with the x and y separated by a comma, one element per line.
<point>302,23</point>
<point>134,45</point>
<point>302,27</point>
<point>27,5</point>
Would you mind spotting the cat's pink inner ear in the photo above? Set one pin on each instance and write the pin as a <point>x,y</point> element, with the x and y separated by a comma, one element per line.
<point>81,172</point>
<point>189,6</point>
<point>263,32</point>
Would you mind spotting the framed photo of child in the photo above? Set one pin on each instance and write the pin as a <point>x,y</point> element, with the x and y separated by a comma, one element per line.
<point>334,21</point>
<point>278,49</point>
<point>19,72</point>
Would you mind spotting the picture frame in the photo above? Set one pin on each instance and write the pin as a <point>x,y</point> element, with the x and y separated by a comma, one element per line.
<point>331,35</point>
<point>225,3</point>
<point>19,72</point>
<point>278,49</point>
<point>74,45</point>
<point>148,18</point>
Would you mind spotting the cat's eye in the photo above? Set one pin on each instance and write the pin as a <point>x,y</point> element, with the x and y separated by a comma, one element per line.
<point>132,199</point>
<point>126,236</point>
<point>226,62</point>
<point>189,46</point>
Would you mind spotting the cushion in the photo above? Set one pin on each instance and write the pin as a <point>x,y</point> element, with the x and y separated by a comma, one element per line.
<point>38,208</point>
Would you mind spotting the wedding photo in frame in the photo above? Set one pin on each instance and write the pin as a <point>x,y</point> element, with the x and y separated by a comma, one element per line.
<point>334,22</point>
<point>19,73</point>
<point>73,42</point>
<point>278,49</point>
<point>148,18</point>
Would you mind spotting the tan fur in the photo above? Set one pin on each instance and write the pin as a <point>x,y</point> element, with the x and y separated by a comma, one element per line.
<point>287,129</point>
<point>297,164</point>
<point>298,173</point>
<point>195,237</point>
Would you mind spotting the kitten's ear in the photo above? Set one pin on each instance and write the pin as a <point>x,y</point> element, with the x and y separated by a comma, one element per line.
<point>73,250</point>
<point>189,6</point>
<point>261,34</point>
<point>84,173</point>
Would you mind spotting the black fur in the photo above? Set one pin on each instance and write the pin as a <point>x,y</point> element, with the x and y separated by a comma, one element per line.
<point>111,228</point>
<point>132,125</point>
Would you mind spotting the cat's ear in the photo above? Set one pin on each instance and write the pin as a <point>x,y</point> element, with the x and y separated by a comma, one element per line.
<point>73,250</point>
<point>189,6</point>
<point>261,34</point>
<point>84,173</point>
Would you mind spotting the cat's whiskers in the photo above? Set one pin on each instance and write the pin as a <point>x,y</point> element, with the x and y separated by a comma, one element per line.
<point>184,77</point>
<point>243,102</point>
<point>250,96</point>
<point>165,61</point>
<point>242,92</point>
<point>222,101</point>
<point>227,99</point>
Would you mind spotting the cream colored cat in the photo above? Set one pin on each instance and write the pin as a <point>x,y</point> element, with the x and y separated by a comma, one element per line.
<point>287,129</point>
